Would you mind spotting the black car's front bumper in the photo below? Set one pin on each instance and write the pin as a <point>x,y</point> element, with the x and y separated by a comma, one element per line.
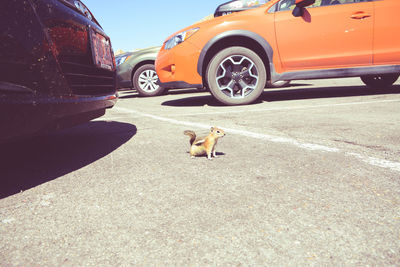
<point>24,113</point>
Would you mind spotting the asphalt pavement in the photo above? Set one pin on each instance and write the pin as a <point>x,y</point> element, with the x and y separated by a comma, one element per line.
<point>309,175</point>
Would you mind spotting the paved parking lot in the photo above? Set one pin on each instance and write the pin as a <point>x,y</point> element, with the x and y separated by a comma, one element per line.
<point>307,176</point>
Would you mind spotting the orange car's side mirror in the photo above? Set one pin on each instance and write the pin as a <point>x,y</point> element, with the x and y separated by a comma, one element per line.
<point>298,11</point>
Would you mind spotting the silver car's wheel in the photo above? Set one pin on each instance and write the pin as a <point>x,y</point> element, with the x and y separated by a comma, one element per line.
<point>145,81</point>
<point>236,76</point>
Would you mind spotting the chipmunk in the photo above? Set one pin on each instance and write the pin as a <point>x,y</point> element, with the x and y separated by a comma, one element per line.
<point>205,145</point>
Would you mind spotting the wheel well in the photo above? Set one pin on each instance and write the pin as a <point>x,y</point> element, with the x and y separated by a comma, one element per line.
<point>235,41</point>
<point>141,64</point>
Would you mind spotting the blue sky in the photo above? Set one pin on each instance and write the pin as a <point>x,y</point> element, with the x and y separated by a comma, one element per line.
<point>133,24</point>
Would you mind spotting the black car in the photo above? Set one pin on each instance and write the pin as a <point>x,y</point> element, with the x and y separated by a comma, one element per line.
<point>57,68</point>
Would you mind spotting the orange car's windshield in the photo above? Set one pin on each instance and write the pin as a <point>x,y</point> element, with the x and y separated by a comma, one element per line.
<point>237,5</point>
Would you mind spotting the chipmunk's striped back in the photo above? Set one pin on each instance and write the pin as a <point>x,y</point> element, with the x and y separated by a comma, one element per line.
<point>205,145</point>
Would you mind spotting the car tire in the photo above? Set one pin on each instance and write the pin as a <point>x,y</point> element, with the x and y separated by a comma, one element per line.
<point>277,84</point>
<point>145,79</point>
<point>380,81</point>
<point>236,76</point>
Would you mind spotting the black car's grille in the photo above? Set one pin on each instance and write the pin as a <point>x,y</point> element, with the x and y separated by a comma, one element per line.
<point>86,79</point>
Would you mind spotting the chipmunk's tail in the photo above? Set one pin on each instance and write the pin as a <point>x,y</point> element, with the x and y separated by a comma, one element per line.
<point>191,134</point>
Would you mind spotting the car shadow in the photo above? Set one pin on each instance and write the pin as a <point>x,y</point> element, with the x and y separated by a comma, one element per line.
<point>31,162</point>
<point>290,93</point>
<point>193,101</point>
<point>325,92</point>
<point>185,91</point>
<point>127,94</point>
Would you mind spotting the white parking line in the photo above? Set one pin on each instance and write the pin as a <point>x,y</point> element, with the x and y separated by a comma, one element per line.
<point>395,166</point>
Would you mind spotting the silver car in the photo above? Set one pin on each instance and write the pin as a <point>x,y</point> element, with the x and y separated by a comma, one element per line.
<point>136,70</point>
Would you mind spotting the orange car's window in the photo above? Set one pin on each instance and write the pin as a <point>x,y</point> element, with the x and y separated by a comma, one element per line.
<point>290,4</point>
<point>339,2</point>
<point>286,5</point>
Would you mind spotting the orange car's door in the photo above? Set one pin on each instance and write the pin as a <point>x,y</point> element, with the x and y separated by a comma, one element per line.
<point>386,32</point>
<point>332,36</point>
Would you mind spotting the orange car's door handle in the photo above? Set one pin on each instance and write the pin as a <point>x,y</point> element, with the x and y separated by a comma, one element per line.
<point>360,15</point>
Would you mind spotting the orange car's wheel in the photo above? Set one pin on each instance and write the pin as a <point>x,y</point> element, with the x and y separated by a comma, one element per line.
<point>145,81</point>
<point>380,81</point>
<point>236,76</point>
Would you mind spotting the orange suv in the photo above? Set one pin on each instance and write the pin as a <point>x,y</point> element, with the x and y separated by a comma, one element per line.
<point>235,55</point>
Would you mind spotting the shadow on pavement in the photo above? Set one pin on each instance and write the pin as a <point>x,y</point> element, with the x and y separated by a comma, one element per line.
<point>325,92</point>
<point>31,162</point>
<point>193,101</point>
<point>127,94</point>
<point>290,93</point>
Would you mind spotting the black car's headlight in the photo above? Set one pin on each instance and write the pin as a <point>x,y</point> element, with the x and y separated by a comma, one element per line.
<point>179,38</point>
<point>78,5</point>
